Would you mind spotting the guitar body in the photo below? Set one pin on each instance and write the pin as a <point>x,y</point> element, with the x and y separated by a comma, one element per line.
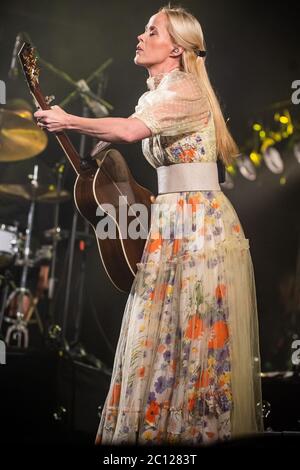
<point>97,187</point>
<point>100,181</point>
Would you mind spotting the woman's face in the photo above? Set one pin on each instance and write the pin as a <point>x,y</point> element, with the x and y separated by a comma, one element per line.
<point>155,45</point>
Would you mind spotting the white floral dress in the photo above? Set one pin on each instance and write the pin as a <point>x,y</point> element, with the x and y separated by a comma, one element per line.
<point>187,364</point>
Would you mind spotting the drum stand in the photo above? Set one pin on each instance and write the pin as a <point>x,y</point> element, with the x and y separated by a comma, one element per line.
<point>18,329</point>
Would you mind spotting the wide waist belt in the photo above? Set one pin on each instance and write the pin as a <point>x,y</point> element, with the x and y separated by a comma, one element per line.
<point>194,176</point>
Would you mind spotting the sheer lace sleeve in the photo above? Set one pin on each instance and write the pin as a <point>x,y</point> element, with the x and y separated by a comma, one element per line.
<point>176,106</point>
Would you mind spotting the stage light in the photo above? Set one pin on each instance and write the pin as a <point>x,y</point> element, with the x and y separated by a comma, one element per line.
<point>283,120</point>
<point>246,168</point>
<point>231,170</point>
<point>296,151</point>
<point>275,136</point>
<point>258,136</point>
<point>282,180</point>
<point>266,143</point>
<point>273,160</point>
<point>286,125</point>
<point>255,157</point>
<point>228,183</point>
<point>256,127</point>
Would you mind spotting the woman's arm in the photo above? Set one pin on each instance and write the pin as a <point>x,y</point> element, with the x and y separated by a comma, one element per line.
<point>108,129</point>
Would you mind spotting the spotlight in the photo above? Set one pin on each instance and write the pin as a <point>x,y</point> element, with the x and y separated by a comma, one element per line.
<point>255,158</point>
<point>259,135</point>
<point>246,168</point>
<point>273,160</point>
<point>231,170</point>
<point>228,183</point>
<point>296,150</point>
<point>285,124</point>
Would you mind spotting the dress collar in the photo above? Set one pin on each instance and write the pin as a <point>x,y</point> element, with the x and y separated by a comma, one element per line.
<point>154,81</point>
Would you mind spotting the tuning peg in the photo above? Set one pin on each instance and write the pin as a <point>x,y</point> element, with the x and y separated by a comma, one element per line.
<point>49,99</point>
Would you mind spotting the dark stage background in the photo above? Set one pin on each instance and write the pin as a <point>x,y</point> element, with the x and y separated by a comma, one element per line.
<point>253,58</point>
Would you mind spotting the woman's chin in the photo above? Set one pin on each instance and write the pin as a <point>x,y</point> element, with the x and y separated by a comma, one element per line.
<point>137,60</point>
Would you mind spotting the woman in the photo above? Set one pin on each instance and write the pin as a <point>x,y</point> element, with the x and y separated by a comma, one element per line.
<point>187,363</point>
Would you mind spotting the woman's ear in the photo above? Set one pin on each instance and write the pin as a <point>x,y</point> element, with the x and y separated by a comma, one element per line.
<point>176,51</point>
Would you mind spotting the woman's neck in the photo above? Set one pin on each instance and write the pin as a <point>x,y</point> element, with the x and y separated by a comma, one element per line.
<point>160,70</point>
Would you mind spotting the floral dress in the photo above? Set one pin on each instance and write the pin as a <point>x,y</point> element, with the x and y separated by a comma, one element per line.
<point>187,363</point>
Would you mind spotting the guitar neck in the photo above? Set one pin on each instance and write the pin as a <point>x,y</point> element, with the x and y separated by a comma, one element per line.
<point>31,72</point>
<point>62,138</point>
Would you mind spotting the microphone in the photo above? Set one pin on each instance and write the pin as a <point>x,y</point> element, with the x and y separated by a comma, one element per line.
<point>14,71</point>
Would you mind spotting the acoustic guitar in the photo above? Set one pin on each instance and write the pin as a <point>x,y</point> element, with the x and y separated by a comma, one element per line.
<point>103,177</point>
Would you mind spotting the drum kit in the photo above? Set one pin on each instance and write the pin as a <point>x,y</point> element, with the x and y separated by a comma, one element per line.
<point>20,139</point>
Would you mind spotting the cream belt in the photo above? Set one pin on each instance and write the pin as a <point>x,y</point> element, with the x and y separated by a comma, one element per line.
<point>194,176</point>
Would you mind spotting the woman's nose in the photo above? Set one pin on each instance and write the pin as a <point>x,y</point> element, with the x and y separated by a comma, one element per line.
<point>140,37</point>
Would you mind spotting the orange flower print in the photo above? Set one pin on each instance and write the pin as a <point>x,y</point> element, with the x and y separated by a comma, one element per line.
<point>195,327</point>
<point>141,372</point>
<point>152,411</point>
<point>194,200</point>
<point>161,348</point>
<point>236,228</point>
<point>215,204</point>
<point>176,246</point>
<point>220,291</point>
<point>187,155</point>
<point>151,295</point>
<point>115,396</point>
<point>160,291</point>
<point>148,343</point>
<point>191,403</point>
<point>180,203</point>
<point>154,245</point>
<point>203,380</point>
<point>219,335</point>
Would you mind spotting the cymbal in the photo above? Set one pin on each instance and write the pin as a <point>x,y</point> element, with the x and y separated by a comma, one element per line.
<point>54,196</point>
<point>30,192</point>
<point>20,137</point>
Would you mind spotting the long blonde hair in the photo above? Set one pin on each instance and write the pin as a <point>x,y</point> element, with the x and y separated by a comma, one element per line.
<point>185,31</point>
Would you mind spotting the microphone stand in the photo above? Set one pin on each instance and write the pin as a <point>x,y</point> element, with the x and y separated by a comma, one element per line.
<point>85,242</point>
<point>85,113</point>
<point>90,100</point>
<point>73,347</point>
<point>79,89</point>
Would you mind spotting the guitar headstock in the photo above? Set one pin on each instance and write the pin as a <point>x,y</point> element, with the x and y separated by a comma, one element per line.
<point>28,61</point>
